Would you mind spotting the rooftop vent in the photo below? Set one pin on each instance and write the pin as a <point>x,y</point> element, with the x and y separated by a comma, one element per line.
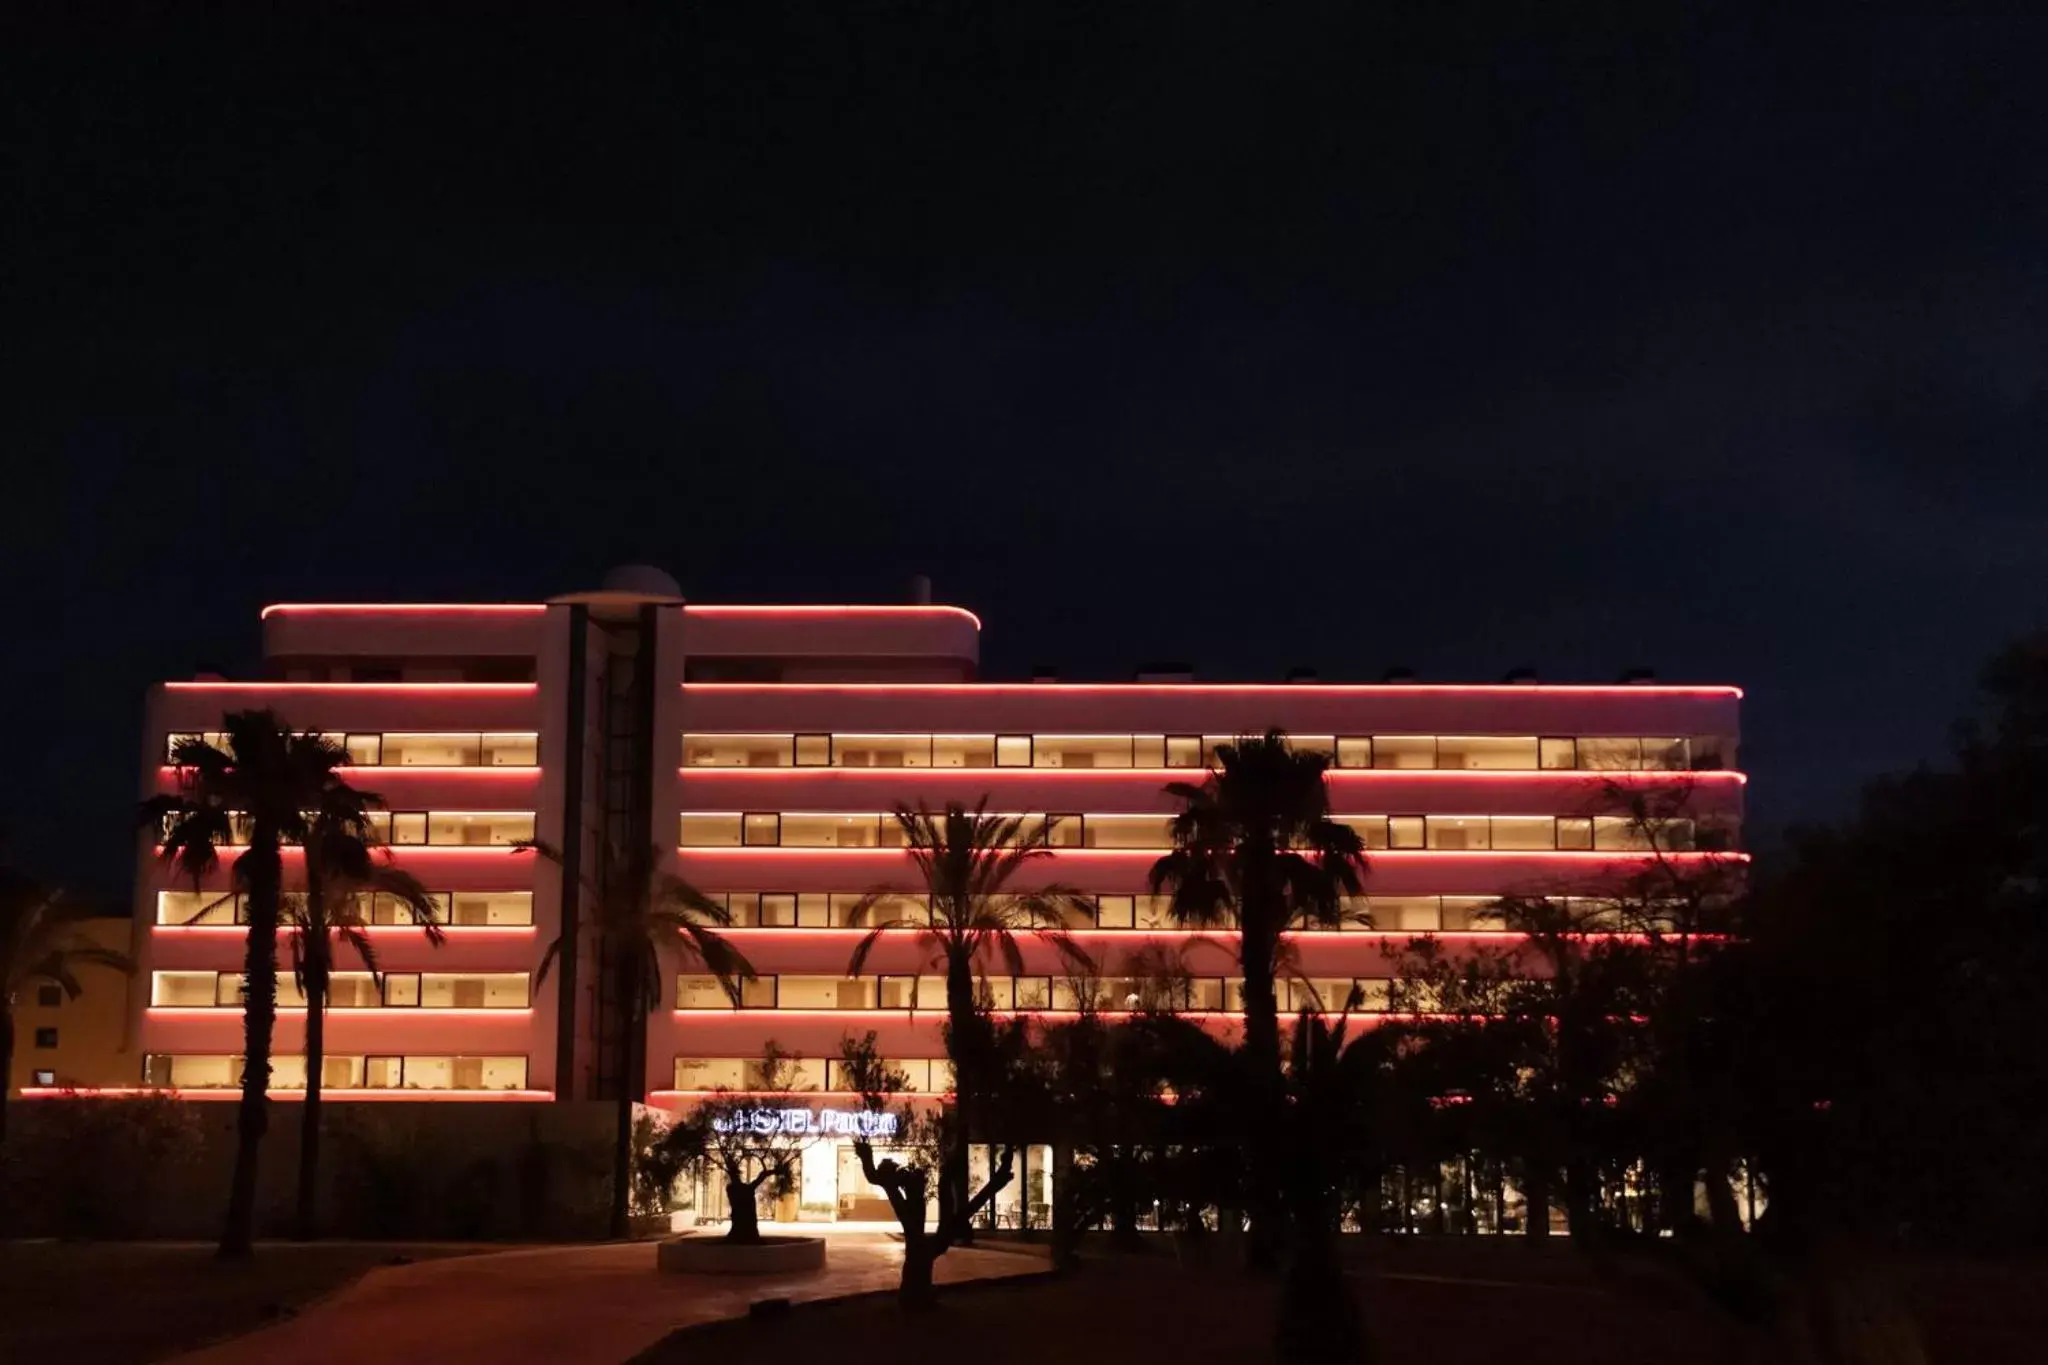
<point>1166,673</point>
<point>1523,674</point>
<point>1637,675</point>
<point>921,589</point>
<point>1399,673</point>
<point>1301,673</point>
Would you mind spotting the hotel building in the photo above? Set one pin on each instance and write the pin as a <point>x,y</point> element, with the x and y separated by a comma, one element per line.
<point>760,748</point>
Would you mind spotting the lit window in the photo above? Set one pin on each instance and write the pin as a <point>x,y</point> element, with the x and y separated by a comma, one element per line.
<point>1148,751</point>
<point>1486,751</point>
<point>366,751</point>
<point>963,751</point>
<point>511,751</point>
<point>1082,751</point>
<point>1611,754</point>
<point>1458,832</point>
<point>44,1078</point>
<point>1183,751</point>
<point>711,831</point>
<point>1574,832</point>
<point>1354,751</point>
<point>184,988</point>
<point>1405,831</point>
<point>882,751</point>
<point>814,751</point>
<point>761,829</point>
<point>1524,831</point>
<point>1013,751</point>
<point>408,827</point>
<point>1557,752</point>
<point>433,751</point>
<point>1403,751</point>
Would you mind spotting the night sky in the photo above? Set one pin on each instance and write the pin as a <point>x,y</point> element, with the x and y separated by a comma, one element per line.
<point>1463,337</point>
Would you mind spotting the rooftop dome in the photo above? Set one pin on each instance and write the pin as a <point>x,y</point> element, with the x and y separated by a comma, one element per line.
<point>640,580</point>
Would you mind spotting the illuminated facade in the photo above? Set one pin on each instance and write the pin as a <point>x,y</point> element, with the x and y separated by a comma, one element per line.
<point>761,747</point>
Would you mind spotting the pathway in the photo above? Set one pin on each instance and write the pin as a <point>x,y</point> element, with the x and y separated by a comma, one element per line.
<point>585,1305</point>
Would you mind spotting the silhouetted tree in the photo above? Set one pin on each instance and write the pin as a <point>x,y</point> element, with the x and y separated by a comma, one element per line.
<point>642,918</point>
<point>265,788</point>
<point>1255,851</point>
<point>745,1137</point>
<point>41,943</point>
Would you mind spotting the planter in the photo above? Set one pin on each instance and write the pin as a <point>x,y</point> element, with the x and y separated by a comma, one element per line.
<point>707,1255</point>
<point>641,1225</point>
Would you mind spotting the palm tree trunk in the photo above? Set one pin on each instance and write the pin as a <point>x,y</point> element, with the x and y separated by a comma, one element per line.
<point>259,1023</point>
<point>1262,1055</point>
<point>6,1063</point>
<point>968,1059</point>
<point>309,1112</point>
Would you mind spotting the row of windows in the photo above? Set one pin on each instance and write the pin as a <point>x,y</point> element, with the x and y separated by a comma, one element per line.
<point>922,1074</point>
<point>1529,752</point>
<point>439,828</point>
<point>1376,914</point>
<point>409,750</point>
<point>223,1071</point>
<point>353,990</point>
<point>1192,993</point>
<point>454,909</point>
<point>813,829</point>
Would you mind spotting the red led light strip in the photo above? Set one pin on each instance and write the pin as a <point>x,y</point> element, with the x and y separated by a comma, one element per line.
<point>51,1092</point>
<point>828,609</point>
<point>1274,689</point>
<point>419,608</point>
<point>1623,777</point>
<point>434,689</point>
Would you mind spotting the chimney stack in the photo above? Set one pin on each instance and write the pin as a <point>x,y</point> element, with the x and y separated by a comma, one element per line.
<point>921,589</point>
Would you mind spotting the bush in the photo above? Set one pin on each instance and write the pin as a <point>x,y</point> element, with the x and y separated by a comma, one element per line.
<point>90,1167</point>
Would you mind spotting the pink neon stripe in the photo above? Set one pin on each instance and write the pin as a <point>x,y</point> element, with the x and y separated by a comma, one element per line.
<point>437,850</point>
<point>1624,777</point>
<point>1276,689</point>
<point>1568,855</point>
<point>1219,937</point>
<point>940,1009</point>
<point>404,1011</point>
<point>449,608</point>
<point>378,772</point>
<point>829,609</point>
<point>437,689</point>
<point>48,1092</point>
<point>463,931</point>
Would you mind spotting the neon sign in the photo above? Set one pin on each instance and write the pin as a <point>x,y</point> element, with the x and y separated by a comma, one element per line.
<point>808,1123</point>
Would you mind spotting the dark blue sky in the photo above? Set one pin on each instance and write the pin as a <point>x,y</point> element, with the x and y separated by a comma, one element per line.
<point>1572,336</point>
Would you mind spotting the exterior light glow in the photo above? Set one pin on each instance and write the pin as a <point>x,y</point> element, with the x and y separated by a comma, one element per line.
<point>420,608</point>
<point>820,1122</point>
<point>983,689</point>
<point>825,609</point>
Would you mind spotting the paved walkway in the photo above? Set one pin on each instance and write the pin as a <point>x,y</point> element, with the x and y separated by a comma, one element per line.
<point>592,1305</point>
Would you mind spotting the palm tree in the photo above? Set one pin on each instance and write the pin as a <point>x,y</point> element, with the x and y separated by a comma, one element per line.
<point>966,860</point>
<point>1255,850</point>
<point>342,865</point>
<point>640,916</point>
<point>40,943</point>
<point>266,788</point>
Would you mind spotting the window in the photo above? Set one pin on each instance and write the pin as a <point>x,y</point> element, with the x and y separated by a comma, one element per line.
<point>46,1038</point>
<point>825,993</point>
<point>1557,752</point>
<point>43,1078</point>
<point>509,751</point>
<point>433,751</point>
<point>473,991</point>
<point>1114,912</point>
<point>1524,831</point>
<point>1404,831</point>
<point>814,751</point>
<point>701,993</point>
<point>1082,751</point>
<point>195,907</point>
<point>1406,914</point>
<point>189,988</point>
<point>709,1073</point>
<point>408,827</point>
<point>1607,753</point>
<point>1128,831</point>
<point>1574,832</point>
<point>1670,754</point>
<point>1354,751</point>
<point>1183,751</point>
<point>1371,829</point>
<point>365,751</point>
<point>1403,751</point>
<point>736,751</point>
<point>1486,751</point>
<point>963,751</point>
<point>830,831</point>
<point>912,992</point>
<point>882,751</point>
<point>486,907</point>
<point>49,997</point>
<point>1458,832</point>
<point>711,831</point>
<point>1013,751</point>
<point>761,829</point>
<point>1148,751</point>
<point>478,829</point>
